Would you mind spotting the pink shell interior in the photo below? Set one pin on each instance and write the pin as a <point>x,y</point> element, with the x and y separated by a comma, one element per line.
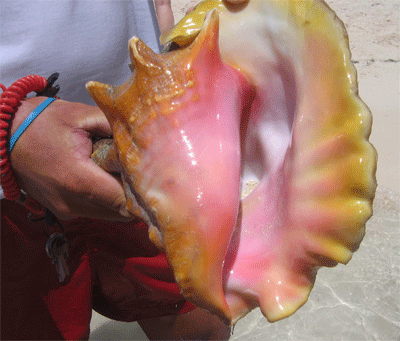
<point>259,171</point>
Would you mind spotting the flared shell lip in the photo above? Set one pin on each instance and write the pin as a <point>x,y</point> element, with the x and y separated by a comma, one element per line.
<point>183,38</point>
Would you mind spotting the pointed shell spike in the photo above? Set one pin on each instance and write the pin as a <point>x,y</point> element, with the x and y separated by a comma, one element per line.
<point>142,56</point>
<point>204,50</point>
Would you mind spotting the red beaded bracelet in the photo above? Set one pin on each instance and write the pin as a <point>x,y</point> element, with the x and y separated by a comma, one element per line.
<point>10,100</point>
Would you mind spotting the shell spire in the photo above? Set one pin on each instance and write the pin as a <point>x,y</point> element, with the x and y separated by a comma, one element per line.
<point>102,95</point>
<point>169,167</point>
<point>143,57</point>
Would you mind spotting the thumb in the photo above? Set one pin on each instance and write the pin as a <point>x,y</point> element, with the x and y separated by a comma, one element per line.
<point>95,122</point>
<point>106,192</point>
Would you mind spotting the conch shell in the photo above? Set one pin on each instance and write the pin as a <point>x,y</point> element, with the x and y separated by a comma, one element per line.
<point>246,152</point>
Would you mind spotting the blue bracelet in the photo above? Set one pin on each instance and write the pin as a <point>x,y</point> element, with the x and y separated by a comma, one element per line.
<point>28,121</point>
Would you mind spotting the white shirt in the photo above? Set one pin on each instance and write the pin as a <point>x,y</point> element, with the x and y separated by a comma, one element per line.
<point>83,40</point>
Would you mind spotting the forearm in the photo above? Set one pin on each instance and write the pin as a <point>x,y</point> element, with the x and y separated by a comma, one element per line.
<point>164,15</point>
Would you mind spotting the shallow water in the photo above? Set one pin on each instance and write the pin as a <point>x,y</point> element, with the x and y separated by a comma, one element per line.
<point>358,301</point>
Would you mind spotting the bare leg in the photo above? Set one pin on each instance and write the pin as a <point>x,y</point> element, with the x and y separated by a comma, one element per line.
<point>195,325</point>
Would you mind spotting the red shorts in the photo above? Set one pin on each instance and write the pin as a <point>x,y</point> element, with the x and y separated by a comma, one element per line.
<point>114,269</point>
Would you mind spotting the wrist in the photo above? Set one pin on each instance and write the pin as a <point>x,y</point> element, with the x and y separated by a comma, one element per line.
<point>10,100</point>
<point>26,107</point>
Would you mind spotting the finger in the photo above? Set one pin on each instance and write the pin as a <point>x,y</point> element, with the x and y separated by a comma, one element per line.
<point>95,122</point>
<point>95,213</point>
<point>70,204</point>
<point>191,9</point>
<point>103,189</point>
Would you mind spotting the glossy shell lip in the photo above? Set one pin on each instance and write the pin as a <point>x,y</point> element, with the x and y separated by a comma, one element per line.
<point>327,169</point>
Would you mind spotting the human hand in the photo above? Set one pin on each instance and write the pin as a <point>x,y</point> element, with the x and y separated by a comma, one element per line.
<point>52,161</point>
